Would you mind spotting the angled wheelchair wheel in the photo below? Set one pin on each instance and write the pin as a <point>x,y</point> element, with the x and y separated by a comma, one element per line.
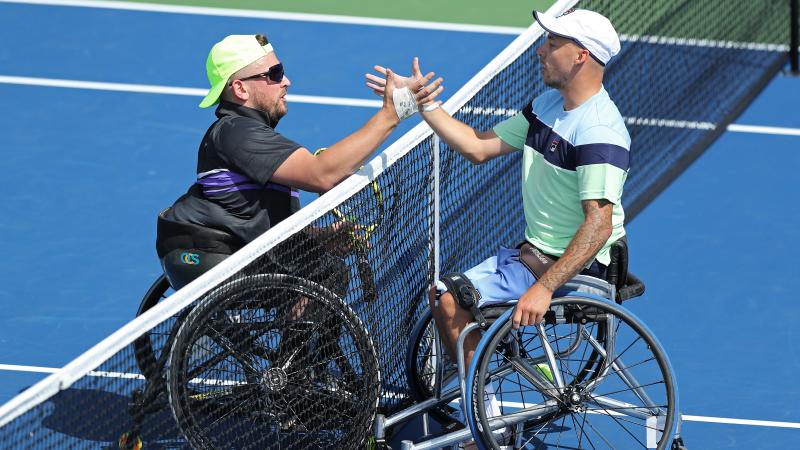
<point>591,376</point>
<point>423,360</point>
<point>148,348</point>
<point>273,361</point>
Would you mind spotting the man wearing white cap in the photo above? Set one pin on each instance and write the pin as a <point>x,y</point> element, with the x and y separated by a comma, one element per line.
<point>575,161</point>
<point>248,174</point>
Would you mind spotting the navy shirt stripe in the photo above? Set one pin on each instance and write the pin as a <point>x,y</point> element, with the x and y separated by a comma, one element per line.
<point>603,154</point>
<point>561,153</point>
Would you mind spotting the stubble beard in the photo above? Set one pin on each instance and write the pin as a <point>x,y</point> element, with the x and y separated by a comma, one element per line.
<point>552,79</point>
<point>274,111</point>
<point>555,82</point>
<point>278,110</point>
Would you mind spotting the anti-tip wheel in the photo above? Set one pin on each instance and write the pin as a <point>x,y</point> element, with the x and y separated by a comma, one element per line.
<point>130,442</point>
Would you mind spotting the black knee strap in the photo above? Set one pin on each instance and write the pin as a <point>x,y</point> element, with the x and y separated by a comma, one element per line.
<point>465,294</point>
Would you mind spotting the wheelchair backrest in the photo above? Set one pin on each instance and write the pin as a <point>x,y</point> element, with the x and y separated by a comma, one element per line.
<point>618,267</point>
<point>627,285</point>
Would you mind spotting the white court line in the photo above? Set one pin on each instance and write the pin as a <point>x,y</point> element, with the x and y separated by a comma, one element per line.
<point>260,14</point>
<point>94,373</point>
<point>655,122</point>
<point>35,369</point>
<point>690,418</point>
<point>137,376</point>
<point>686,418</point>
<point>380,22</point>
<point>170,90</point>
<point>342,101</point>
<point>725,420</point>
<point>763,130</point>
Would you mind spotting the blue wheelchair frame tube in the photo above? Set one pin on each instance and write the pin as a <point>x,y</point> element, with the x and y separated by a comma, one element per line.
<point>473,369</point>
<point>472,421</point>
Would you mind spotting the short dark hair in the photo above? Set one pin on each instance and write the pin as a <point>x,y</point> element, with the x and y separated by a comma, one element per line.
<point>262,39</point>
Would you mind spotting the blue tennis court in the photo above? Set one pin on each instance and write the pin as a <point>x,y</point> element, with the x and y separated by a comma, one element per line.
<point>91,165</point>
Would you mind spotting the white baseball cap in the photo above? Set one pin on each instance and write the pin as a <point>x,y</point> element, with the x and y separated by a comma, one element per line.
<point>589,29</point>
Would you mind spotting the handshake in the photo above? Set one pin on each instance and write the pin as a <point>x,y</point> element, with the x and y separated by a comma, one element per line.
<point>408,94</point>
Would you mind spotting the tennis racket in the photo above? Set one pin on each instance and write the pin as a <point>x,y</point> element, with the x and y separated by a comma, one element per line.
<point>362,214</point>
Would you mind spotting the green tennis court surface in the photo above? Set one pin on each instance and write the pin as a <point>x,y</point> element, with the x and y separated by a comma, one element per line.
<point>504,13</point>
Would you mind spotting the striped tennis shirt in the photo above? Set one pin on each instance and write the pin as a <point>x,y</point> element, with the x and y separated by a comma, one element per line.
<point>568,157</point>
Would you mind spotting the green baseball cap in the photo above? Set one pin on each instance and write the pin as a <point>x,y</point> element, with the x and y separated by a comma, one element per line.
<point>227,57</point>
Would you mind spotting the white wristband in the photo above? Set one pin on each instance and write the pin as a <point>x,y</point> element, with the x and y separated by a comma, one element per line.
<point>404,103</point>
<point>428,107</point>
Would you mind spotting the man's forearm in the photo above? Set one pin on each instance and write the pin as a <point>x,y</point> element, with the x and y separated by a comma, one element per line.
<point>458,135</point>
<point>351,152</point>
<point>589,239</point>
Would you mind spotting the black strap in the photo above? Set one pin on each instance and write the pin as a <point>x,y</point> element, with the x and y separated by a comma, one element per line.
<point>466,295</point>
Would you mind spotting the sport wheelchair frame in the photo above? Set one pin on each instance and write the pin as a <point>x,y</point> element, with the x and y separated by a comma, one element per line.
<point>240,355</point>
<point>266,360</point>
<point>562,364</point>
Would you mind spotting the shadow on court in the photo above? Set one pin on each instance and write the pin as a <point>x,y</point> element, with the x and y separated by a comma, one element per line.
<point>105,416</point>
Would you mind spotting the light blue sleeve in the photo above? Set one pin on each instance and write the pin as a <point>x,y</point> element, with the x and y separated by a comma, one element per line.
<point>513,130</point>
<point>604,134</point>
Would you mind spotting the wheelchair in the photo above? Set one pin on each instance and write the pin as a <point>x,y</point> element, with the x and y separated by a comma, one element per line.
<point>262,361</point>
<point>591,375</point>
<point>280,361</point>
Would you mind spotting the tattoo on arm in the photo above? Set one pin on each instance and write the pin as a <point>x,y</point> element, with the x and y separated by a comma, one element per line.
<point>588,240</point>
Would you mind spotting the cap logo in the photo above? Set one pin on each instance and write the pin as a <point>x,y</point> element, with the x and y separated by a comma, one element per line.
<point>569,11</point>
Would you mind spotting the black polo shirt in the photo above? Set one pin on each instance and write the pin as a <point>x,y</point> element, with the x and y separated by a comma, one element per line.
<point>233,192</point>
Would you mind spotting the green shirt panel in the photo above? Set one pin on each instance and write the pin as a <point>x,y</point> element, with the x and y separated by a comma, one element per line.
<point>513,130</point>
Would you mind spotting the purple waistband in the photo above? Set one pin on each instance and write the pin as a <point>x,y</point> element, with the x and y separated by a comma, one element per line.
<point>224,181</point>
<point>282,188</point>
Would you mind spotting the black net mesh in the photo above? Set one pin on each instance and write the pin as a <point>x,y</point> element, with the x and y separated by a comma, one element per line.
<point>303,346</point>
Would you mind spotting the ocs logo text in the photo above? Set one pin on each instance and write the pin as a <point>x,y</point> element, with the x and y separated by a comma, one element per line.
<point>191,259</point>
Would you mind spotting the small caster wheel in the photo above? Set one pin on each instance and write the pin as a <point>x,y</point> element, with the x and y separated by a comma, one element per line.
<point>677,444</point>
<point>377,444</point>
<point>128,442</point>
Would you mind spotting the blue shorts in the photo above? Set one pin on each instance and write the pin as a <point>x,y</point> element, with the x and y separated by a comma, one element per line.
<point>500,279</point>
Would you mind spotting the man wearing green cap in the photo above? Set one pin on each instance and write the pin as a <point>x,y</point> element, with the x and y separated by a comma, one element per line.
<point>248,174</point>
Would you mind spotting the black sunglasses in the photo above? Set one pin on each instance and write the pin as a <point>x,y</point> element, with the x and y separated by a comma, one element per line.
<point>275,74</point>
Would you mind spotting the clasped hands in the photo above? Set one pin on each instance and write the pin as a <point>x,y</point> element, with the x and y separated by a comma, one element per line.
<point>416,88</point>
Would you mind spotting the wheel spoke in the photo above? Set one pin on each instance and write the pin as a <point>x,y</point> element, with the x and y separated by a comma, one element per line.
<point>221,388</point>
<point>588,354</point>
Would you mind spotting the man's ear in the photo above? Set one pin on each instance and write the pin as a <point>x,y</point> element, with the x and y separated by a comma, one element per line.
<point>583,56</point>
<point>239,90</point>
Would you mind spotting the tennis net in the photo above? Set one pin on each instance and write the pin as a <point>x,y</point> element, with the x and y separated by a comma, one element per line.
<point>274,349</point>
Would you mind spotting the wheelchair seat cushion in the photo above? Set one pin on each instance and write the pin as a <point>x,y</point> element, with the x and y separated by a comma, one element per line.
<point>173,235</point>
